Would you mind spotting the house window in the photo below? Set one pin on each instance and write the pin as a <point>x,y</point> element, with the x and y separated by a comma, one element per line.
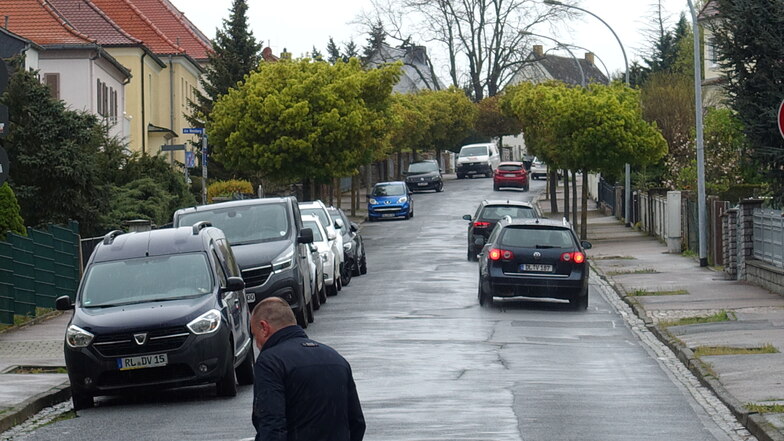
<point>711,54</point>
<point>52,81</point>
<point>99,97</point>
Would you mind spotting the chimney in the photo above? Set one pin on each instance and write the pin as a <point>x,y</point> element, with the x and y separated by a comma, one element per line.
<point>538,51</point>
<point>589,57</point>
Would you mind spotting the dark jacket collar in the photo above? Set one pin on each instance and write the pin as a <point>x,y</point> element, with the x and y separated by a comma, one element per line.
<point>283,334</point>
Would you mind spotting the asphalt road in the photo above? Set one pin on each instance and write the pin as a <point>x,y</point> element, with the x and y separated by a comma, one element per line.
<point>430,364</point>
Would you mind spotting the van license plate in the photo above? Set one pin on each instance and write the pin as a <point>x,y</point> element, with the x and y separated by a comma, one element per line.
<point>421,184</point>
<point>142,361</point>
<point>534,267</point>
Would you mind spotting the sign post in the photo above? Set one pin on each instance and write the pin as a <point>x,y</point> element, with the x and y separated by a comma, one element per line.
<point>200,131</point>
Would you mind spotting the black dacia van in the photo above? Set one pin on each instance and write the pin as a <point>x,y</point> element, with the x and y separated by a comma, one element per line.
<point>270,244</point>
<point>162,308</point>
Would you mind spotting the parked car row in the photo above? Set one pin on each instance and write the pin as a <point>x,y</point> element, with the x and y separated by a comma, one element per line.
<point>171,307</point>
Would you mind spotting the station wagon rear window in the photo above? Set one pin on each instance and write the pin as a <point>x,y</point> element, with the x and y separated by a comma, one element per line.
<point>496,212</point>
<point>148,279</point>
<point>536,237</point>
<point>510,167</point>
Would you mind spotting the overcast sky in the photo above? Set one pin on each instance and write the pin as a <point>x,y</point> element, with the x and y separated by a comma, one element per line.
<point>298,25</point>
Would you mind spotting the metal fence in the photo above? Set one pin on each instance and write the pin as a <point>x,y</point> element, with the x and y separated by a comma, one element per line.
<point>769,236</point>
<point>607,194</point>
<point>36,269</point>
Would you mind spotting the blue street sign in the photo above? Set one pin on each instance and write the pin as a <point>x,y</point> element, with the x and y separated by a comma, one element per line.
<point>190,160</point>
<point>193,130</point>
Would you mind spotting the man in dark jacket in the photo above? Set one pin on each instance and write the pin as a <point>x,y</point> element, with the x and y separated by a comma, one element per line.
<point>303,389</point>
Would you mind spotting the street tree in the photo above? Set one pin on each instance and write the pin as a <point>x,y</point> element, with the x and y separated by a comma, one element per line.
<point>452,117</point>
<point>481,35</point>
<point>493,122</point>
<point>748,36</point>
<point>409,124</point>
<point>300,120</point>
<point>10,217</point>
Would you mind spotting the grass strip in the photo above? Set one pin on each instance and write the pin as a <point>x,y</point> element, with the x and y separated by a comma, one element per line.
<point>721,316</point>
<point>765,408</point>
<point>701,351</point>
<point>644,292</point>
<point>637,271</point>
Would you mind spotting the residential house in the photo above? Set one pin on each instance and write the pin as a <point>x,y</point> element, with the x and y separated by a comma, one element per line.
<point>70,62</point>
<point>417,72</point>
<point>158,101</point>
<point>12,45</point>
<point>541,67</point>
<point>713,80</point>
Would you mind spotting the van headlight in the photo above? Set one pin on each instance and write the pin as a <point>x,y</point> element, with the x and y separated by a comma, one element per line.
<point>206,323</point>
<point>402,200</point>
<point>283,261</point>
<point>77,337</point>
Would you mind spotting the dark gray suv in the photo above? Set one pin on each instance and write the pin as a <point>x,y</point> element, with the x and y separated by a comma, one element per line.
<point>271,246</point>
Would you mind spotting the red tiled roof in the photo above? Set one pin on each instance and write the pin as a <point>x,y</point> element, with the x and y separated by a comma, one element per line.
<point>39,22</point>
<point>89,19</point>
<point>175,26</point>
<point>134,22</point>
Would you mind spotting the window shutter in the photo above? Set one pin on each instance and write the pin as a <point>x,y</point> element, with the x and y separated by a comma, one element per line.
<point>99,99</point>
<point>52,81</point>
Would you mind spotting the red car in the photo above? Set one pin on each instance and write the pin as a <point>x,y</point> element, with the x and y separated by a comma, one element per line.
<point>510,174</point>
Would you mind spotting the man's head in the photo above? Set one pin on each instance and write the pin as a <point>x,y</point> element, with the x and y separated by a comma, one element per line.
<point>270,315</point>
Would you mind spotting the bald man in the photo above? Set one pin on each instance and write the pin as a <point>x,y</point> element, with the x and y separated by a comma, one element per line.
<point>303,389</point>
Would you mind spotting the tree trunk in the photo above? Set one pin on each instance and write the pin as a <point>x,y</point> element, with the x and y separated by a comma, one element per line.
<point>553,178</point>
<point>399,165</point>
<point>584,214</point>
<point>307,189</point>
<point>354,192</point>
<point>567,207</point>
<point>574,199</point>
<point>338,195</point>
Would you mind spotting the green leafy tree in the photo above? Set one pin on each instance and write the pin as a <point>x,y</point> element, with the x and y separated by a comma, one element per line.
<point>56,156</point>
<point>748,36</point>
<point>452,117</point>
<point>139,199</point>
<point>299,120</point>
<point>10,218</point>
<point>493,122</point>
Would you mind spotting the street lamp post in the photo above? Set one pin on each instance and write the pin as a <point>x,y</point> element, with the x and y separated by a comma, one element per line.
<point>627,167</point>
<point>701,209</point>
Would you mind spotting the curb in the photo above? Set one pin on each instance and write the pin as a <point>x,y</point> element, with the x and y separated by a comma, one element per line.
<point>31,406</point>
<point>754,422</point>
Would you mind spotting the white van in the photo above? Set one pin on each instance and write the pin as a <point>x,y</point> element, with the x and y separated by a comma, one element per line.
<point>477,159</point>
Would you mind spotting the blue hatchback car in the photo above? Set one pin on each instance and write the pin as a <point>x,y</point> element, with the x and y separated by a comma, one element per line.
<point>390,199</point>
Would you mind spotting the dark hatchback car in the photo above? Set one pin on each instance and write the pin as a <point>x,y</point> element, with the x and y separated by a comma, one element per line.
<point>271,246</point>
<point>510,174</point>
<point>353,246</point>
<point>487,215</point>
<point>534,259</point>
<point>154,309</point>
<point>424,175</point>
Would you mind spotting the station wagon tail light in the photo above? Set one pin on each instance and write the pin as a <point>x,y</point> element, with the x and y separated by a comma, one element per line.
<point>77,337</point>
<point>496,254</point>
<point>481,224</point>
<point>206,323</point>
<point>576,257</point>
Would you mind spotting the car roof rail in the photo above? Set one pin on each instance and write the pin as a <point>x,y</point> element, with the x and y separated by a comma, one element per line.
<point>109,237</point>
<point>198,226</point>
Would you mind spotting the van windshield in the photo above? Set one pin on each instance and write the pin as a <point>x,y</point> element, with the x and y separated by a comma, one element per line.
<point>244,224</point>
<point>473,151</point>
<point>148,279</point>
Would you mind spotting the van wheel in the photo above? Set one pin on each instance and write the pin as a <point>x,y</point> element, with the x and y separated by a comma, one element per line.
<point>301,313</point>
<point>322,295</point>
<point>245,370</point>
<point>82,400</point>
<point>309,310</point>
<point>227,385</point>
<point>363,265</point>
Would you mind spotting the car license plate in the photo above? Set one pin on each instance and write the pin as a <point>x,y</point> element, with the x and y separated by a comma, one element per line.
<point>142,361</point>
<point>422,184</point>
<point>471,172</point>
<point>508,175</point>
<point>535,267</point>
<point>388,215</point>
<point>250,297</point>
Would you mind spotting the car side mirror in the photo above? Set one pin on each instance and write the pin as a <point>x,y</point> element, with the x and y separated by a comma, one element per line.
<point>354,227</point>
<point>339,224</point>
<point>467,217</point>
<point>313,247</point>
<point>234,284</point>
<point>305,236</point>
<point>63,303</point>
<point>586,245</point>
<point>331,235</point>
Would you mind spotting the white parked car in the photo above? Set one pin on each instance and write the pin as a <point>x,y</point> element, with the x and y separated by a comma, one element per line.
<point>538,169</point>
<point>325,255</point>
<point>318,209</point>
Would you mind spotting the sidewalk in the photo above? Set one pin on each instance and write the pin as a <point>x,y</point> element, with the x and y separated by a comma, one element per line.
<point>22,395</point>
<point>665,289</point>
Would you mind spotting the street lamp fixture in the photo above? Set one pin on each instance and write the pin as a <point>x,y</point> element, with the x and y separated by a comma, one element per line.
<point>627,167</point>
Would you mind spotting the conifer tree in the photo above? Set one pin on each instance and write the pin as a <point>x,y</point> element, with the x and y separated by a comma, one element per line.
<point>333,52</point>
<point>376,39</point>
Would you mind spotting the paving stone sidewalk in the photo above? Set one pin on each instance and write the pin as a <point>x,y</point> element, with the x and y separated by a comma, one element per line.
<point>664,288</point>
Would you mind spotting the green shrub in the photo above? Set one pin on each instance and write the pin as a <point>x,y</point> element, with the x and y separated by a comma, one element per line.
<point>228,188</point>
<point>10,217</point>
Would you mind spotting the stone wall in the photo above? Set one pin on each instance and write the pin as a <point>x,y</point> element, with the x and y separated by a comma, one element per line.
<point>730,241</point>
<point>765,275</point>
